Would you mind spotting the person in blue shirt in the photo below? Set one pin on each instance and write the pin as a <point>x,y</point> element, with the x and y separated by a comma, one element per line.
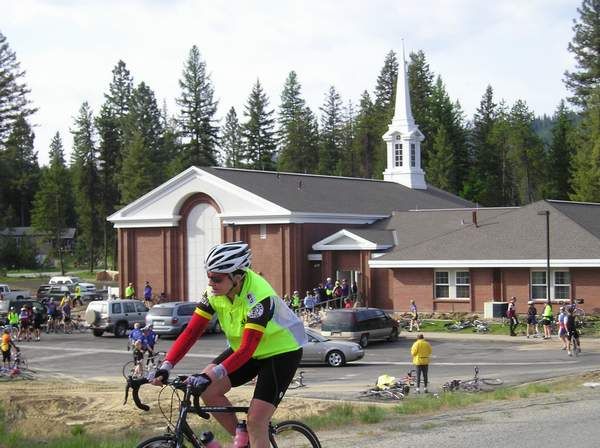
<point>149,339</point>
<point>135,335</point>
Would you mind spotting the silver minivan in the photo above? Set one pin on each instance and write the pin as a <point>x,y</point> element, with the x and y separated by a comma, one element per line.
<point>171,318</point>
<point>361,325</point>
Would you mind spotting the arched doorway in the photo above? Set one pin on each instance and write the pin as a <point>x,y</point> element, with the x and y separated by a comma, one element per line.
<point>203,232</point>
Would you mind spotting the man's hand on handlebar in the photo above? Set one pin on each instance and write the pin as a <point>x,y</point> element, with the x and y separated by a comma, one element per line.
<point>199,380</point>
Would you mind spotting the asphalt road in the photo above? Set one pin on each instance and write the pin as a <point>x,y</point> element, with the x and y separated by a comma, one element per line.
<point>83,356</point>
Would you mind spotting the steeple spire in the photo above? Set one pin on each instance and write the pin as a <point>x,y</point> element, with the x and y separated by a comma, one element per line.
<point>402,112</point>
<point>403,138</point>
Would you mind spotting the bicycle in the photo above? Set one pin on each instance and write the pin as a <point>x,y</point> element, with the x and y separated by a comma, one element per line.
<point>298,381</point>
<point>136,370</point>
<point>472,385</point>
<point>480,326</point>
<point>17,369</point>
<point>391,388</point>
<point>289,433</point>
<point>458,325</point>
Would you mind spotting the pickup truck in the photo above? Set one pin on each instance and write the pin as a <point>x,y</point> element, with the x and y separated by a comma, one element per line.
<point>19,294</point>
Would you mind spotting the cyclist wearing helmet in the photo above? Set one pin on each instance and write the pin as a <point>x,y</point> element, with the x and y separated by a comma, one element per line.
<point>265,340</point>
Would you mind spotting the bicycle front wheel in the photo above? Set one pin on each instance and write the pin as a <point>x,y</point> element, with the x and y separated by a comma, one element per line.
<point>292,434</point>
<point>159,442</point>
<point>129,370</point>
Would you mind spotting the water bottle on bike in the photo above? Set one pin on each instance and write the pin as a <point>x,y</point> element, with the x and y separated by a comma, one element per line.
<point>241,438</point>
<point>208,440</point>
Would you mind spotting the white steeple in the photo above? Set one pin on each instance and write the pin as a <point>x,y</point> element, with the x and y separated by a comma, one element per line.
<point>403,139</point>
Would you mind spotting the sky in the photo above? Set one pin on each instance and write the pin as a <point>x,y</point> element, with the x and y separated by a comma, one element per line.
<point>68,49</point>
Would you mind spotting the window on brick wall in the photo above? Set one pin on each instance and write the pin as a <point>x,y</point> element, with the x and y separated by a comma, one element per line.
<point>263,231</point>
<point>560,286</point>
<point>452,284</point>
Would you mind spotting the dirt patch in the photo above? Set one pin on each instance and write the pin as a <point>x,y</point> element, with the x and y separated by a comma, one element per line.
<point>56,406</point>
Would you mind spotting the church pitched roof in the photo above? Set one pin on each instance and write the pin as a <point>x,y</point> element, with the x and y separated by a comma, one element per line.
<point>308,193</point>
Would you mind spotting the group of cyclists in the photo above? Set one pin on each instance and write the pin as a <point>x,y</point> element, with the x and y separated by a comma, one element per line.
<point>26,323</point>
<point>566,322</point>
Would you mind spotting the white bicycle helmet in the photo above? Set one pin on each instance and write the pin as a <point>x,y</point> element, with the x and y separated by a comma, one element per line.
<point>228,257</point>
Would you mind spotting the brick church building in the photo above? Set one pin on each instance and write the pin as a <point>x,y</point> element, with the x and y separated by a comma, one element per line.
<point>397,238</point>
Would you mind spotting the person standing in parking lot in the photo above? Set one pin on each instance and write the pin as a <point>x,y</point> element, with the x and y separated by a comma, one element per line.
<point>511,313</point>
<point>421,351</point>
<point>148,294</point>
<point>130,291</point>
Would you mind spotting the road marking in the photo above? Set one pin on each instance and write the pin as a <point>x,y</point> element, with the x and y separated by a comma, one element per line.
<point>95,351</point>
<point>407,363</point>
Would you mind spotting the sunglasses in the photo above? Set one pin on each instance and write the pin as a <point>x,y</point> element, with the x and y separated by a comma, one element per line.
<point>217,278</point>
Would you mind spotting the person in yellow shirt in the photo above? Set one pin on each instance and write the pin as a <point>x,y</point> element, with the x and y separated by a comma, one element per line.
<point>421,351</point>
<point>5,345</point>
<point>130,291</point>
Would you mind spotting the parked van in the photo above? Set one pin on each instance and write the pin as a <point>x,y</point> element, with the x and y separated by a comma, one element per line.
<point>360,324</point>
<point>115,316</point>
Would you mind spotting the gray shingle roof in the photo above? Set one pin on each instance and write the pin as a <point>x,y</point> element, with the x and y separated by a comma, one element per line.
<point>330,194</point>
<point>502,234</point>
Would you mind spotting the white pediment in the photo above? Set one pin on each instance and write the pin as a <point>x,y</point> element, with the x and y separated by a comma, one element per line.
<point>346,240</point>
<point>160,207</point>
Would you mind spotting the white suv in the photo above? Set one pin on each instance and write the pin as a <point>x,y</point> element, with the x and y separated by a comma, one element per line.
<point>115,316</point>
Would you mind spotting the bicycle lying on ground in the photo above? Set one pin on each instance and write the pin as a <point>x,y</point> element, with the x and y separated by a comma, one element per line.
<point>285,434</point>
<point>390,388</point>
<point>471,385</point>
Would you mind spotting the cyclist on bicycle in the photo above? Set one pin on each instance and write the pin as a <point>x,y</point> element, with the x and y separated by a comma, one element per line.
<point>574,344</point>
<point>149,339</point>
<point>264,335</point>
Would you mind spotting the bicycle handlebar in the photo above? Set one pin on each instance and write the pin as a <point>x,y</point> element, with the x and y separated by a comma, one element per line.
<point>177,383</point>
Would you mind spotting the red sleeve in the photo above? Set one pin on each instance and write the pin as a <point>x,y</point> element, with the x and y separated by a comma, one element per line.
<point>250,340</point>
<point>189,337</point>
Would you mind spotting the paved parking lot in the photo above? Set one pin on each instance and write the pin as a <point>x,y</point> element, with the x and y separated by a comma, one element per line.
<point>83,356</point>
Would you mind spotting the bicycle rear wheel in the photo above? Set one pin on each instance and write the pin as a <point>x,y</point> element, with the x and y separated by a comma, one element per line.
<point>158,442</point>
<point>292,434</point>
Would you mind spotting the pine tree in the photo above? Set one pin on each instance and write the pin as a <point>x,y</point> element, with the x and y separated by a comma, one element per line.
<point>420,86</point>
<point>526,154</point>
<point>349,164</point>
<point>145,118</point>
<point>383,107</point>
<point>109,157</point>
<point>560,153</point>
<point>385,89</point>
<point>87,187</point>
<point>366,137</point>
<point>484,174</point>
<point>585,181</point>
<point>331,133</point>
<point>137,175</point>
<point>259,131</point>
<point>231,141</point>
<point>441,163</point>
<point>14,102</point>
<point>22,172</point>
<point>298,130</point>
<point>53,200</point>
<point>586,48</point>
<point>197,122</point>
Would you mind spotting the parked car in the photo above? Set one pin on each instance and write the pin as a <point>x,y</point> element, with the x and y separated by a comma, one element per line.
<point>360,324</point>
<point>115,316</point>
<point>7,293</point>
<point>88,291</point>
<point>171,318</point>
<point>64,279</point>
<point>43,291</point>
<point>333,353</point>
<point>5,306</point>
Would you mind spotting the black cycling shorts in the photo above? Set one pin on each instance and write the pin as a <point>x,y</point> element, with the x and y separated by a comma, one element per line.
<point>274,374</point>
<point>6,355</point>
